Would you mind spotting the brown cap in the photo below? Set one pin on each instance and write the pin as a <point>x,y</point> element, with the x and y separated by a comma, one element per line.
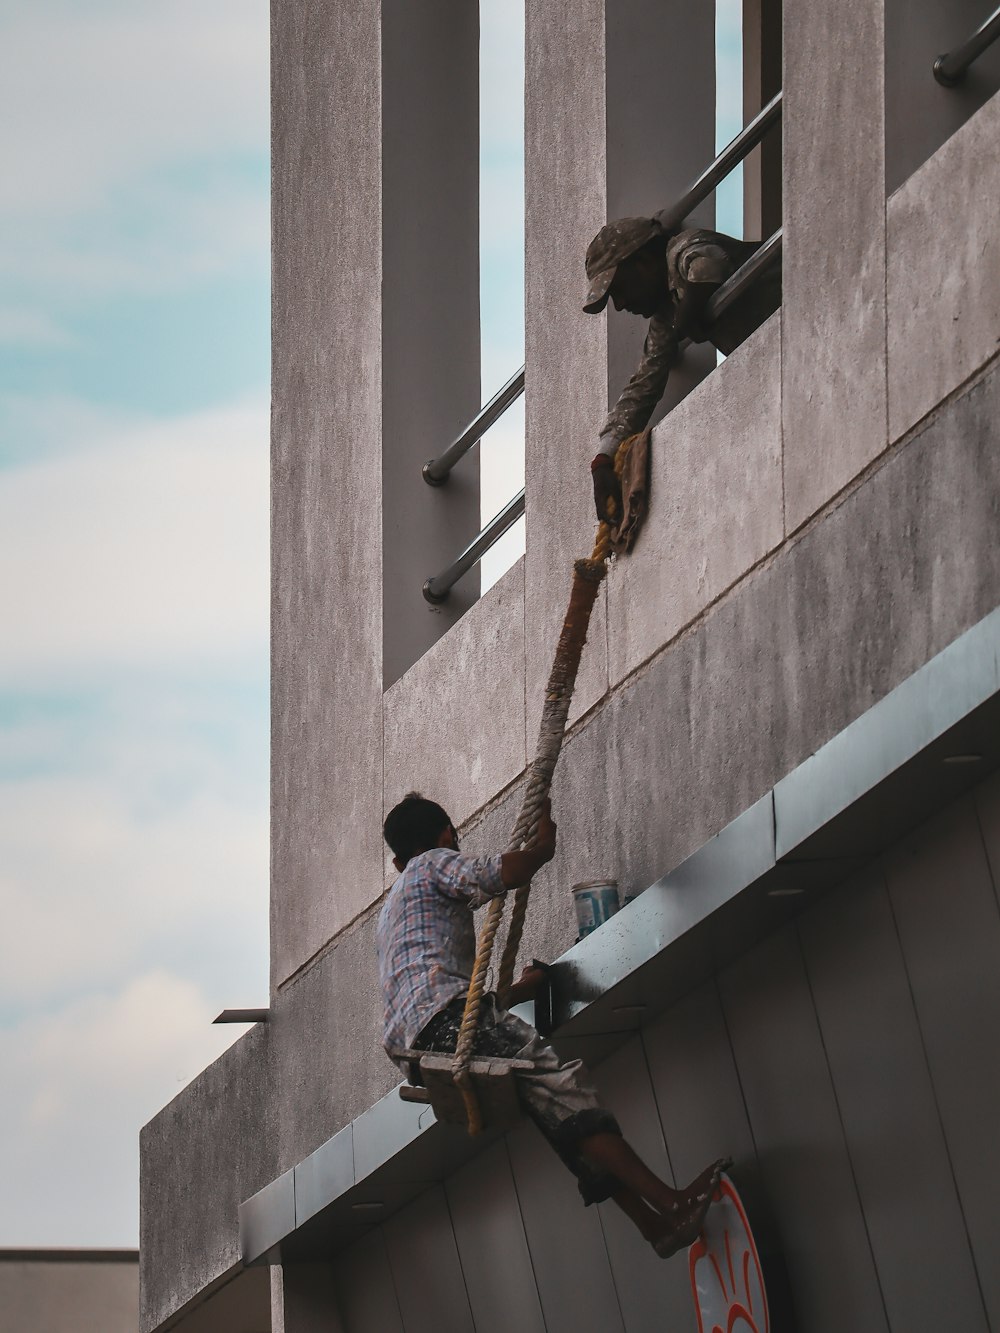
<point>606,251</point>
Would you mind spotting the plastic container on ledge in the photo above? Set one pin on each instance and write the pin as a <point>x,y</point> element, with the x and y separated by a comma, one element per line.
<point>596,901</point>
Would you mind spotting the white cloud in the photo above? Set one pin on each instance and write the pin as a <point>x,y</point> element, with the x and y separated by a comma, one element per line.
<point>31,328</point>
<point>133,135</point>
<point>94,93</point>
<point>99,877</point>
<point>88,1076</point>
<point>150,549</point>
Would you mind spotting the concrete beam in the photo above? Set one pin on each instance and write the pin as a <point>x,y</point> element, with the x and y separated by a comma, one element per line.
<point>944,271</point>
<point>326,663</point>
<point>833,336</point>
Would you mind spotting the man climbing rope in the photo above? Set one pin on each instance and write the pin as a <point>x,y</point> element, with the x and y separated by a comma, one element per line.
<point>668,277</point>
<point>426,947</point>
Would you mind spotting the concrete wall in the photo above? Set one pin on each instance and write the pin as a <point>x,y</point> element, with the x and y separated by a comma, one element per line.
<point>823,521</point>
<point>66,1291</point>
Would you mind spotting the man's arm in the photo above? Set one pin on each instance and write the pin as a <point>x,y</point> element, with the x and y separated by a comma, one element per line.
<point>631,414</point>
<point>517,868</point>
<point>638,399</point>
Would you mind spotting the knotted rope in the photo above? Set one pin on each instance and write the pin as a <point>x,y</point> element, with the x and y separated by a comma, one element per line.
<point>587,577</point>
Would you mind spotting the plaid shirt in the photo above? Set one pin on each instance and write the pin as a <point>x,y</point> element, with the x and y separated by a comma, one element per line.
<point>426,940</point>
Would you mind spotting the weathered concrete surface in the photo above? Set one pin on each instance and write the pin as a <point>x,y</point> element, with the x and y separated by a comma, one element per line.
<point>565,350</point>
<point>454,724</point>
<point>833,311</point>
<point>94,1291</point>
<point>208,1150</point>
<point>329,1065</point>
<point>716,503</point>
<point>326,483</point>
<point>430,312</point>
<point>944,271</point>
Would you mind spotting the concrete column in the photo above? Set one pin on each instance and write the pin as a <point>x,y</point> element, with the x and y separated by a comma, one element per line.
<point>375,368</point>
<point>304,1300</point>
<point>326,783</point>
<point>619,115</point>
<point>761,80</point>
<point>430,311</point>
<point>833,341</point>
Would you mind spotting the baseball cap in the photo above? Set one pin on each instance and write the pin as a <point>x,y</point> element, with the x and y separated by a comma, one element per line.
<point>606,251</point>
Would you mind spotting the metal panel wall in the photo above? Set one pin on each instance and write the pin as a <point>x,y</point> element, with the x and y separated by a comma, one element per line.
<point>800,1140</point>
<point>492,1246</point>
<point>946,911</point>
<point>572,1271</point>
<point>426,1267</point>
<point>647,1286</point>
<point>366,1292</point>
<point>887,1104</point>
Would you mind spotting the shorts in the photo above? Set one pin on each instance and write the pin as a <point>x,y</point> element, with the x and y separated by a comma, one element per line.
<point>555,1094</point>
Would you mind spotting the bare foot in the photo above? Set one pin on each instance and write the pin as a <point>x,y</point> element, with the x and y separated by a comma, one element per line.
<point>688,1216</point>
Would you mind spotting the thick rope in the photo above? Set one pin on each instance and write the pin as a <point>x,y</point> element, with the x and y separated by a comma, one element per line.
<point>587,577</point>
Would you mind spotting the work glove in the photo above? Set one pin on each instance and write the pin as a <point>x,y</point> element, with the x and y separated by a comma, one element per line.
<point>607,490</point>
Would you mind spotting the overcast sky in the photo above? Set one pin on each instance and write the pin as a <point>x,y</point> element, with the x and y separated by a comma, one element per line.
<point>133,522</point>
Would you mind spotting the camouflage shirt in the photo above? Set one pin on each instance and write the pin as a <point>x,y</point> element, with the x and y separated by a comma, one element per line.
<point>695,255</point>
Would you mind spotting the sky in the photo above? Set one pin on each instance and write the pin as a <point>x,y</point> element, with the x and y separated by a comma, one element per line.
<point>134,261</point>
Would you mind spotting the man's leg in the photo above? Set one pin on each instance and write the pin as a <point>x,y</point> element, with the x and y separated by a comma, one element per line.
<point>670,1219</point>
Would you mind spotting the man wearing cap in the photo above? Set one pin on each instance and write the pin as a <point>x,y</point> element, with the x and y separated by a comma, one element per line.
<point>668,277</point>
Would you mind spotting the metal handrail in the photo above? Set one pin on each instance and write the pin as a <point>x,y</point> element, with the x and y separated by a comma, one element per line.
<point>437,588</point>
<point>950,69</point>
<point>731,156</point>
<point>437,471</point>
<point>733,288</point>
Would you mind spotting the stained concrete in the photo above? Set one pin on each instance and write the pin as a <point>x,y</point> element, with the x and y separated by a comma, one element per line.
<point>327,481</point>
<point>833,284</point>
<point>716,503</point>
<point>944,271</point>
<point>205,1152</point>
<point>454,724</point>
<point>566,351</point>
<point>329,1065</point>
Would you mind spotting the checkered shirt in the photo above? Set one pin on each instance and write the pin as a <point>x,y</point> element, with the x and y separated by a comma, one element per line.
<point>426,940</point>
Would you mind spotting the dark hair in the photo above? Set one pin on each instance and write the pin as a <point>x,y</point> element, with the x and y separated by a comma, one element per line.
<point>414,825</point>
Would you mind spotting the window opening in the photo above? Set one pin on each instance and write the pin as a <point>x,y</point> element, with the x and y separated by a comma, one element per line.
<point>501,281</point>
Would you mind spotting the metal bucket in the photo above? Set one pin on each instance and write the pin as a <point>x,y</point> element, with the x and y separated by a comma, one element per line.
<point>596,900</point>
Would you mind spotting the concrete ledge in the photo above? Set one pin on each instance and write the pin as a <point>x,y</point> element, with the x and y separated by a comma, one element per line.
<point>689,924</point>
<point>944,275</point>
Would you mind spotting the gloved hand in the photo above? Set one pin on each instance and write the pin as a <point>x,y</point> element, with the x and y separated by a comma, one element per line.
<point>607,490</point>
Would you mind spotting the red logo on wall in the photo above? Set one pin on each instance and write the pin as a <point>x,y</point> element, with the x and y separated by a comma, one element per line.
<point>726,1277</point>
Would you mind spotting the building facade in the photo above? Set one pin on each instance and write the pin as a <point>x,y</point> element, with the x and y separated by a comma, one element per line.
<point>784,735</point>
<point>69,1291</point>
